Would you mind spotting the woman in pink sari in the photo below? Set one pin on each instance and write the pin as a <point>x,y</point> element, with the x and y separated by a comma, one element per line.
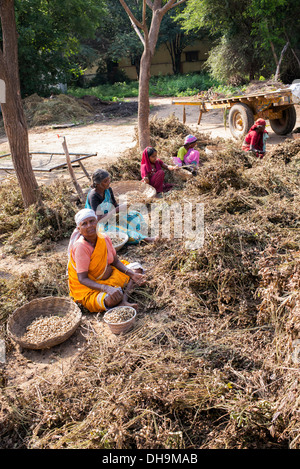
<point>152,170</point>
<point>187,155</point>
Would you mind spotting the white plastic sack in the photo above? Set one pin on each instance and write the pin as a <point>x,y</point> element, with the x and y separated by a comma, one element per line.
<point>295,88</point>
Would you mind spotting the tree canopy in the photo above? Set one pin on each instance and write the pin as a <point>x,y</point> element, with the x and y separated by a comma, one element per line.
<point>249,35</point>
<point>50,35</point>
<point>57,40</point>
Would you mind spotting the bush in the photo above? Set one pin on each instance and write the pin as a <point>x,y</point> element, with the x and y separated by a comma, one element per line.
<point>167,85</point>
<point>227,63</point>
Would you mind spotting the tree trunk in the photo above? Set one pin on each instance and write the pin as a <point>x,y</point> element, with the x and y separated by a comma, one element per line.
<point>149,41</point>
<point>17,134</point>
<point>274,53</point>
<point>175,57</point>
<point>175,48</point>
<point>12,110</point>
<point>277,73</point>
<point>144,80</point>
<point>143,102</point>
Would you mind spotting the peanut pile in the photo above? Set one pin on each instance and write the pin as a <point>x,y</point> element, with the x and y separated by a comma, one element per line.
<point>119,315</point>
<point>133,195</point>
<point>115,239</point>
<point>46,327</point>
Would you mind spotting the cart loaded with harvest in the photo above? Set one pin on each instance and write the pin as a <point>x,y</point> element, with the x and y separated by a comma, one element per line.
<point>276,106</point>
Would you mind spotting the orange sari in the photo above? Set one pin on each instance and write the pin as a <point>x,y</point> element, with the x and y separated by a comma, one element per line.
<point>91,299</point>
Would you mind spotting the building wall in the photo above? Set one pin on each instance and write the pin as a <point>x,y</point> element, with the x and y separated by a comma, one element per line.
<point>192,59</point>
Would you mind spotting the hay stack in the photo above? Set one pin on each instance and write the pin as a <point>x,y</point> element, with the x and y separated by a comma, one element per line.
<point>61,109</point>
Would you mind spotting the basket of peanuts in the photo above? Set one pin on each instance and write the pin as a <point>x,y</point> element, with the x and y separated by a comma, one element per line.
<point>44,322</point>
<point>120,319</point>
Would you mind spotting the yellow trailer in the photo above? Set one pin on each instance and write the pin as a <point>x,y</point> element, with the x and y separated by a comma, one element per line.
<point>276,106</point>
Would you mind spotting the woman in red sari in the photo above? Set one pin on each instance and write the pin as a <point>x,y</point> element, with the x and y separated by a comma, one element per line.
<point>152,170</point>
<point>255,140</point>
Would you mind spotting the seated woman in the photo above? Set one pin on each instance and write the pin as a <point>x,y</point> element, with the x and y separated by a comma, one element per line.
<point>187,155</point>
<point>97,277</point>
<point>255,140</point>
<point>102,200</point>
<point>152,170</point>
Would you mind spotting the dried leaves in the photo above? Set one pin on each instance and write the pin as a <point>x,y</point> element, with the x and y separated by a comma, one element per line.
<point>25,231</point>
<point>209,362</point>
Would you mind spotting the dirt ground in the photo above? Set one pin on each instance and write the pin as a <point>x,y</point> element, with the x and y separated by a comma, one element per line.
<point>108,137</point>
<point>108,140</point>
<point>111,137</point>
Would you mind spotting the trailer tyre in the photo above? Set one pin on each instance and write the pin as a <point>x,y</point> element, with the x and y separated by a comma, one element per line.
<point>240,120</point>
<point>286,123</point>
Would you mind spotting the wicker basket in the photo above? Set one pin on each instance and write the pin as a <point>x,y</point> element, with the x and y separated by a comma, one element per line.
<point>136,191</point>
<point>120,327</point>
<point>22,317</point>
<point>120,234</point>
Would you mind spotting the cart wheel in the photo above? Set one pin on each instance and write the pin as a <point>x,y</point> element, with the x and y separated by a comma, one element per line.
<point>286,123</point>
<point>240,120</point>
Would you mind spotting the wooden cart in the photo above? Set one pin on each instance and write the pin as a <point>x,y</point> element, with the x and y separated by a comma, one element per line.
<point>276,106</point>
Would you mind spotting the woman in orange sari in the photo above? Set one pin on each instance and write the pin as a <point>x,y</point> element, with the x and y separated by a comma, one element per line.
<point>97,277</point>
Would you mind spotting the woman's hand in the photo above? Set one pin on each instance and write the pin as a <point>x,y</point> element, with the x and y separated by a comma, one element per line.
<point>145,180</point>
<point>172,168</point>
<point>115,294</point>
<point>137,278</point>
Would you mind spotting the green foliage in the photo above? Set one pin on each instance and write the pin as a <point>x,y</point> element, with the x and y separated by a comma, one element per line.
<point>108,92</point>
<point>116,39</point>
<point>276,23</point>
<point>228,63</point>
<point>50,33</point>
<point>181,85</point>
<point>249,34</point>
<point>168,85</point>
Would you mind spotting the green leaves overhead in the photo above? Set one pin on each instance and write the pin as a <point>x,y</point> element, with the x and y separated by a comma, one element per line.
<point>256,29</point>
<point>50,34</point>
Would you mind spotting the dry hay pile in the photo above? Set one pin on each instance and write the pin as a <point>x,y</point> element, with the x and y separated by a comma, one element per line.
<point>286,152</point>
<point>254,87</point>
<point>264,86</point>
<point>59,109</point>
<point>66,109</point>
<point>210,362</point>
<point>24,231</point>
<point>47,280</point>
<point>167,136</point>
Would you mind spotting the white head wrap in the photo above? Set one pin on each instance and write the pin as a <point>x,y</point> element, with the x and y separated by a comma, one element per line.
<point>83,214</point>
<point>79,217</point>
